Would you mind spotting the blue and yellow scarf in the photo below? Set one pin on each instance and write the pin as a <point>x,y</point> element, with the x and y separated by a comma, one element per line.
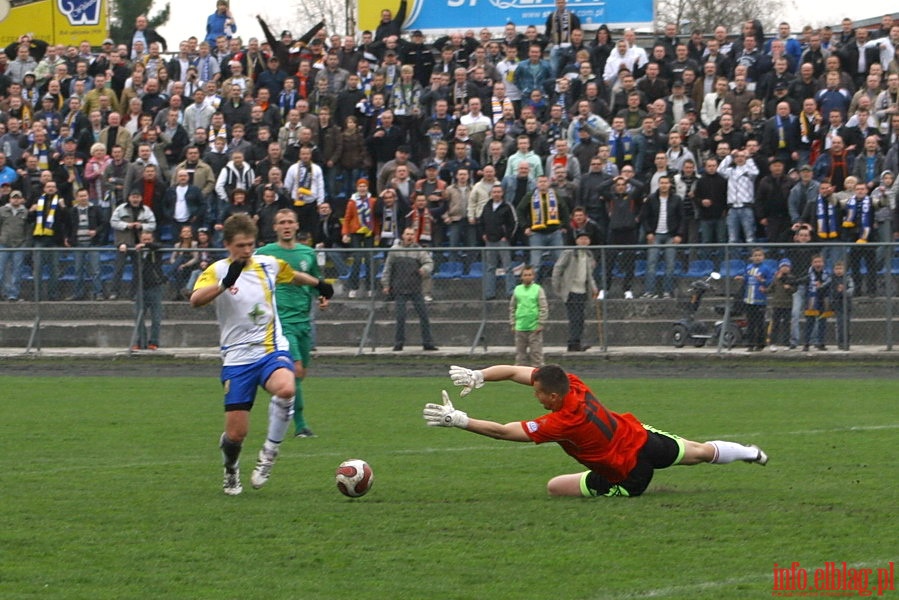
<point>826,215</point>
<point>544,214</point>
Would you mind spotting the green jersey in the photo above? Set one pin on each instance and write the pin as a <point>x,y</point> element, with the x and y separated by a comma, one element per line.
<point>294,301</point>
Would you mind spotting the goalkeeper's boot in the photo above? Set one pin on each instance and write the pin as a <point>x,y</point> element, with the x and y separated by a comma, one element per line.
<point>231,483</point>
<point>761,459</point>
<point>263,468</point>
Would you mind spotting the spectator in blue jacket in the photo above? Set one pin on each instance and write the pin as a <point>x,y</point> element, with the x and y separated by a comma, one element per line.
<point>533,74</point>
<point>756,280</point>
<point>221,22</point>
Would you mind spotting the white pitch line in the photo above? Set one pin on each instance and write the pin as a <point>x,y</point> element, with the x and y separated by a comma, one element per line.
<point>480,448</point>
<point>198,459</point>
<point>813,431</point>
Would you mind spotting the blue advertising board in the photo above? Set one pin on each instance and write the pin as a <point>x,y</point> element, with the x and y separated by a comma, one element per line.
<point>467,14</point>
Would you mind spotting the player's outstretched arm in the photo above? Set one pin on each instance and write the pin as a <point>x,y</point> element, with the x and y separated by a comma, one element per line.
<point>445,415</point>
<point>518,374</point>
<point>324,288</point>
<point>511,432</point>
<point>472,379</point>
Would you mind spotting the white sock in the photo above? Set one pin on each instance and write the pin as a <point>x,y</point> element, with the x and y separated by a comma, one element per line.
<point>728,452</point>
<point>280,412</point>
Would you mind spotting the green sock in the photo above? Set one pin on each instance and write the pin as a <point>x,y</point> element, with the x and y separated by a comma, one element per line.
<point>299,421</point>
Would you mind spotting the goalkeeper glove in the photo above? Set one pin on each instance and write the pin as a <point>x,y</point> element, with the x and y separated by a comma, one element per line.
<point>234,270</point>
<point>466,378</point>
<point>324,288</point>
<point>444,415</point>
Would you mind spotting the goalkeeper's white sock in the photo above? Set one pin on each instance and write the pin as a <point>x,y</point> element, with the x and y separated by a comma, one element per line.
<point>728,452</point>
<point>280,412</point>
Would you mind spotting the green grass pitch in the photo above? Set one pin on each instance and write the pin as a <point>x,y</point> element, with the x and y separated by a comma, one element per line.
<point>110,489</point>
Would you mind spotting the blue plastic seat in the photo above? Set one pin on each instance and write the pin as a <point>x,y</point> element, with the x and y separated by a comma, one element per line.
<point>363,273</point>
<point>697,269</point>
<point>732,267</point>
<point>475,270</point>
<point>639,268</point>
<point>106,272</point>
<point>166,234</point>
<point>450,269</point>
<point>68,274</point>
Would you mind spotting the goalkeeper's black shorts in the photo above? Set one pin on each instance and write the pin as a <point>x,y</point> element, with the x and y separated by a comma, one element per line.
<point>661,450</point>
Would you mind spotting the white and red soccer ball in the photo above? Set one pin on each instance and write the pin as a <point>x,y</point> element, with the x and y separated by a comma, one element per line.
<point>354,477</point>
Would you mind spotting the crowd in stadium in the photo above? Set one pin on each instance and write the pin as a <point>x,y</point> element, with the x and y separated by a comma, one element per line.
<point>699,137</point>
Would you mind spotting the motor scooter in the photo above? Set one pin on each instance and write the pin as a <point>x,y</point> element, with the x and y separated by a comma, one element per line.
<point>689,328</point>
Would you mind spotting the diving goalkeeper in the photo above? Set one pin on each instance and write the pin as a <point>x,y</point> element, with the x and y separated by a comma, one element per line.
<point>620,453</point>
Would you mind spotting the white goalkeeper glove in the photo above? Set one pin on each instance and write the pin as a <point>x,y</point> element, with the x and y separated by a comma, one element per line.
<point>444,415</point>
<point>466,378</point>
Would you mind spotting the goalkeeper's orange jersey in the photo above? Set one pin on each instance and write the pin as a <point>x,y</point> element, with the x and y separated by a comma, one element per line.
<point>599,439</point>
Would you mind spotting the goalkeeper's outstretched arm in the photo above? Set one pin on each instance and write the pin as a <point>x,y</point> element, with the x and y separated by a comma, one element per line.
<point>518,374</point>
<point>472,379</point>
<point>446,415</point>
<point>511,432</point>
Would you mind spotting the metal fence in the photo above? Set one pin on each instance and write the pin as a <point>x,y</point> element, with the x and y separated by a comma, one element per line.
<point>651,296</point>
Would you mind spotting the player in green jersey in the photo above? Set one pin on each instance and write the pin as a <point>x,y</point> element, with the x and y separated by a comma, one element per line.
<point>295,304</point>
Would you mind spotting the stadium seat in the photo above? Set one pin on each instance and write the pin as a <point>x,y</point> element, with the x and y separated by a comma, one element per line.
<point>894,266</point>
<point>639,268</point>
<point>166,234</point>
<point>732,267</point>
<point>28,272</point>
<point>697,269</point>
<point>363,273</point>
<point>475,270</point>
<point>68,274</point>
<point>451,269</point>
<point>106,272</point>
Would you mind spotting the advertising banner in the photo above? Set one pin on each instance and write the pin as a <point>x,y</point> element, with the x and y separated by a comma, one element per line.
<point>54,21</point>
<point>441,16</point>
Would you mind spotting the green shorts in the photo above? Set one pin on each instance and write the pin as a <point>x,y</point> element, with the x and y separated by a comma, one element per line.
<point>300,341</point>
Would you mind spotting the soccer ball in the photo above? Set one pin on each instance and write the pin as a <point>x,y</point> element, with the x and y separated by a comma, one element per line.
<point>354,478</point>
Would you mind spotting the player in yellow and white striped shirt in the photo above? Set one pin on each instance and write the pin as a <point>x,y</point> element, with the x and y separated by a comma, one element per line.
<point>254,350</point>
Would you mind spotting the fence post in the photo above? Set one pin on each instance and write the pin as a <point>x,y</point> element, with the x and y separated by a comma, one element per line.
<point>34,339</point>
<point>727,299</point>
<point>480,336</point>
<point>601,302</point>
<point>138,275</point>
<point>370,320</point>
<point>888,292</point>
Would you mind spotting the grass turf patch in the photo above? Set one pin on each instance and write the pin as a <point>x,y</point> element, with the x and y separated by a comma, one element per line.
<point>111,489</point>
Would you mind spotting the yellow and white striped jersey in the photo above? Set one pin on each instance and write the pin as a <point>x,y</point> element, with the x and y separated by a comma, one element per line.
<point>247,313</point>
